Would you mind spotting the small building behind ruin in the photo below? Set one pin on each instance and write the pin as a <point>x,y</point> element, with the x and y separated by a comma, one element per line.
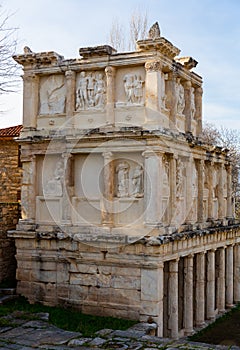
<point>125,212</point>
<point>10,183</point>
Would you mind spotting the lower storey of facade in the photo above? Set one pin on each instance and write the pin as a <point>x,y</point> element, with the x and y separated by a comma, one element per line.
<point>179,282</point>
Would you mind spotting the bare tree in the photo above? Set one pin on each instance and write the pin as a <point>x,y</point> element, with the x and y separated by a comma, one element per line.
<point>230,139</point>
<point>123,41</point>
<point>138,28</point>
<point>8,67</point>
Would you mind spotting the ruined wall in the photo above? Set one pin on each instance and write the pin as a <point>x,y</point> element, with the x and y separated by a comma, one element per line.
<point>10,179</point>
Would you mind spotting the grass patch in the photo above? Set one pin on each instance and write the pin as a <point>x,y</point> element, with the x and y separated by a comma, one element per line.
<point>223,330</point>
<point>67,318</point>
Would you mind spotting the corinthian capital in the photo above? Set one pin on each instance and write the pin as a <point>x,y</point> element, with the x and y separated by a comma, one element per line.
<point>153,66</point>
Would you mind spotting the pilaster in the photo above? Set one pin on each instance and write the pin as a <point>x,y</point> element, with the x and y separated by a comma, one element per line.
<point>30,100</point>
<point>110,94</point>
<point>70,97</point>
<point>108,174</point>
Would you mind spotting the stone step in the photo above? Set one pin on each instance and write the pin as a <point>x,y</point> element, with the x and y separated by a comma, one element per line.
<point>7,291</point>
<point>5,298</point>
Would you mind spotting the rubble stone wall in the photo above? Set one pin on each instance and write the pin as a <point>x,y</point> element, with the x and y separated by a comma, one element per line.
<point>10,180</point>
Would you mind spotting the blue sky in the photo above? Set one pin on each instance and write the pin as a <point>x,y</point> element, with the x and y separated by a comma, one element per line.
<point>207,30</point>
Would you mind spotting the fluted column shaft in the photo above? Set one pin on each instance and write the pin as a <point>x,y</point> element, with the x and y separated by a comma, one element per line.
<point>70,97</point>
<point>198,106</point>
<point>187,111</point>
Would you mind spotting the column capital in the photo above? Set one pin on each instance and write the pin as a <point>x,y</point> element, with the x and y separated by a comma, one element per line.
<point>29,77</point>
<point>70,74</point>
<point>110,71</point>
<point>153,66</point>
<point>107,155</point>
<point>187,84</point>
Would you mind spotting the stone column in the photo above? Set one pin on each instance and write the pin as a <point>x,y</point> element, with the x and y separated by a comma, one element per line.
<point>200,289</point>
<point>30,100</point>
<point>173,181</point>
<point>67,188</point>
<point>221,206</point>
<point>28,190</point>
<point>173,299</point>
<point>229,192</point>
<point>198,106</point>
<point>221,280</point>
<point>110,74</point>
<point>70,97</point>
<point>152,295</point>
<point>172,98</point>
<point>188,294</point>
<point>187,110</point>
<point>236,274</point>
<point>108,174</point>
<point>210,290</point>
<point>210,191</point>
<point>229,276</point>
<point>153,91</point>
<point>200,171</point>
<point>153,187</point>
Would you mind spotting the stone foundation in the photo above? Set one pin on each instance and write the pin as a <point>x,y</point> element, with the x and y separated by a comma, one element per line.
<point>179,283</point>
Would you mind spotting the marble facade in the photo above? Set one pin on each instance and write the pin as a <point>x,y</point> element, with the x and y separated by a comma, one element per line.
<point>125,212</point>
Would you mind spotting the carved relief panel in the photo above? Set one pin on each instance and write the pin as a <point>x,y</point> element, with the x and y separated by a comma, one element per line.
<point>90,90</point>
<point>128,179</point>
<point>52,95</point>
<point>130,87</point>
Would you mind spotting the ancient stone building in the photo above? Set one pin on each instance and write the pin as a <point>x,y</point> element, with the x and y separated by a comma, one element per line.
<point>10,182</point>
<point>124,211</point>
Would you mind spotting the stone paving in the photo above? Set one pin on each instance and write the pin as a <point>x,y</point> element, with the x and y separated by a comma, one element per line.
<point>17,333</point>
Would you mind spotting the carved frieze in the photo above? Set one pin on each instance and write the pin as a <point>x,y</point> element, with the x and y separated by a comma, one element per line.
<point>91,91</point>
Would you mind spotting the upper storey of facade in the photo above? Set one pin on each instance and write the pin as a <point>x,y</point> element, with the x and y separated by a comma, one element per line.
<point>150,88</point>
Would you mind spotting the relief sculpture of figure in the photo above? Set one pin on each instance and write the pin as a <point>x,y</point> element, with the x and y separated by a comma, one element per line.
<point>180,99</point>
<point>138,89</point>
<point>90,89</point>
<point>137,181</point>
<point>122,179</point>
<point>133,85</point>
<point>54,185</point>
<point>99,91</point>
<point>129,87</point>
<point>193,108</point>
<point>179,178</point>
<point>81,98</point>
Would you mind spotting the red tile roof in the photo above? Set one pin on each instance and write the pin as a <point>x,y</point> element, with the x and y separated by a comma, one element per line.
<point>12,131</point>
